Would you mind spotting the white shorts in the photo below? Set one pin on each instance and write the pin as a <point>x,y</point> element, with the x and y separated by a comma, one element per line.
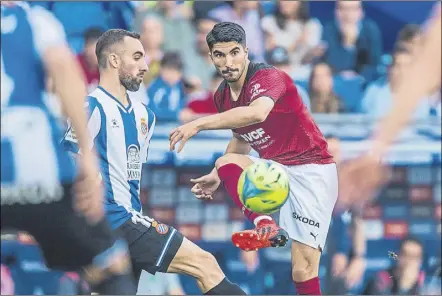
<point>306,214</point>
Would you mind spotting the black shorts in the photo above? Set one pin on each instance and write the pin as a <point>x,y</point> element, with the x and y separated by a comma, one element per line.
<point>151,248</point>
<point>68,241</point>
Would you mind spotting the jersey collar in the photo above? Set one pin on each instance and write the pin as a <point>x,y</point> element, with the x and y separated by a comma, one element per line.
<point>127,109</point>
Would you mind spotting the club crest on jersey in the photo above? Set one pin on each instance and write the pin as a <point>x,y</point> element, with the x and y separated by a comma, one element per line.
<point>256,90</point>
<point>143,126</point>
<point>133,163</point>
<point>162,228</point>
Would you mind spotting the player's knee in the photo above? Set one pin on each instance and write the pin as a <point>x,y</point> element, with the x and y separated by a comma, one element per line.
<point>234,158</point>
<point>208,266</point>
<point>304,272</point>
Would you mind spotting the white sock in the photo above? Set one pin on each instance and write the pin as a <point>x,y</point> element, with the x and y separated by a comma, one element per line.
<point>264,217</point>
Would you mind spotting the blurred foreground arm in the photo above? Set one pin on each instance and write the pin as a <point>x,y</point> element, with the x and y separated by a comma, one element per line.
<point>422,77</point>
<point>61,66</point>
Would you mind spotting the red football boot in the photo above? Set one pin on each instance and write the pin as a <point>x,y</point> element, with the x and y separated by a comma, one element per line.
<point>266,234</point>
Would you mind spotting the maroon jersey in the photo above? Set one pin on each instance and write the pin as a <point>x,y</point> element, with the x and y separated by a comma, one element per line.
<point>289,135</point>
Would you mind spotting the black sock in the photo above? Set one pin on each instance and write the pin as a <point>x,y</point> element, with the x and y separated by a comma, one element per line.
<point>226,288</point>
<point>122,284</point>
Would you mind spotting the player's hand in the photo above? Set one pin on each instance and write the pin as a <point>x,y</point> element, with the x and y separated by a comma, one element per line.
<point>182,133</point>
<point>360,179</point>
<point>355,272</point>
<point>339,264</point>
<point>88,189</point>
<point>205,186</point>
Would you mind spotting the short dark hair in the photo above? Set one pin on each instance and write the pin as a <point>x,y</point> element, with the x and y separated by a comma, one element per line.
<point>410,239</point>
<point>92,34</point>
<point>107,40</point>
<point>226,32</point>
<point>408,32</point>
<point>172,60</point>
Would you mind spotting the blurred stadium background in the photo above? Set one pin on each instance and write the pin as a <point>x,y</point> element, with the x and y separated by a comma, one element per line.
<point>349,88</point>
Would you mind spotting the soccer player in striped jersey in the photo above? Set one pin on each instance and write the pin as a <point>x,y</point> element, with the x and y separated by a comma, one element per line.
<point>360,178</point>
<point>37,176</point>
<point>121,129</point>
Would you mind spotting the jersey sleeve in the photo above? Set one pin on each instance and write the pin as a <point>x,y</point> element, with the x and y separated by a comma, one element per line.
<point>150,126</point>
<point>70,141</point>
<point>47,30</point>
<point>266,83</point>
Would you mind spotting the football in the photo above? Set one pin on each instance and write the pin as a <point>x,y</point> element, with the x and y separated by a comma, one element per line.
<point>263,187</point>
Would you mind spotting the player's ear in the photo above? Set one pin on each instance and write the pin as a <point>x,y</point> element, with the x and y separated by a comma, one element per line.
<point>246,51</point>
<point>114,60</point>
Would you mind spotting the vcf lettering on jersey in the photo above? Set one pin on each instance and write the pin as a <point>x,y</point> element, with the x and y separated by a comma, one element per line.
<point>257,138</point>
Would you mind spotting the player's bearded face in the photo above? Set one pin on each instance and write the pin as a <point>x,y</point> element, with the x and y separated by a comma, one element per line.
<point>230,59</point>
<point>129,80</point>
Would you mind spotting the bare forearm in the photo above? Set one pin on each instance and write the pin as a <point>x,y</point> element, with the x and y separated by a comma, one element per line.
<point>70,88</point>
<point>234,118</point>
<point>422,76</point>
<point>359,242</point>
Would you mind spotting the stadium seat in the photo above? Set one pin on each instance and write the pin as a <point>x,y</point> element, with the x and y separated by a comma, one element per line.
<point>350,90</point>
<point>77,17</point>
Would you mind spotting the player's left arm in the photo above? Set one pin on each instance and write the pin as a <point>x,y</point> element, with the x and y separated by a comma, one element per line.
<point>267,87</point>
<point>238,117</point>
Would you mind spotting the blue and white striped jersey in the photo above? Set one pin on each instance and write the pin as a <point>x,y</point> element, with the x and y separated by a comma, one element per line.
<point>31,158</point>
<point>121,137</point>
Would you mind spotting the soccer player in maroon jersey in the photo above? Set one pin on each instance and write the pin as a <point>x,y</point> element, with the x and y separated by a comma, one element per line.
<point>360,178</point>
<point>261,105</point>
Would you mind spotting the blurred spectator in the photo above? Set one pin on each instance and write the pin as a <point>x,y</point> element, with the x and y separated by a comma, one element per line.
<point>292,28</point>
<point>201,8</point>
<point>279,58</point>
<point>166,92</point>
<point>201,103</point>
<point>175,18</point>
<point>377,99</point>
<point>159,284</point>
<point>198,65</point>
<point>346,245</point>
<point>322,96</point>
<point>248,15</point>
<point>152,38</point>
<point>346,253</point>
<point>354,43</point>
<point>88,59</point>
<point>405,277</point>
